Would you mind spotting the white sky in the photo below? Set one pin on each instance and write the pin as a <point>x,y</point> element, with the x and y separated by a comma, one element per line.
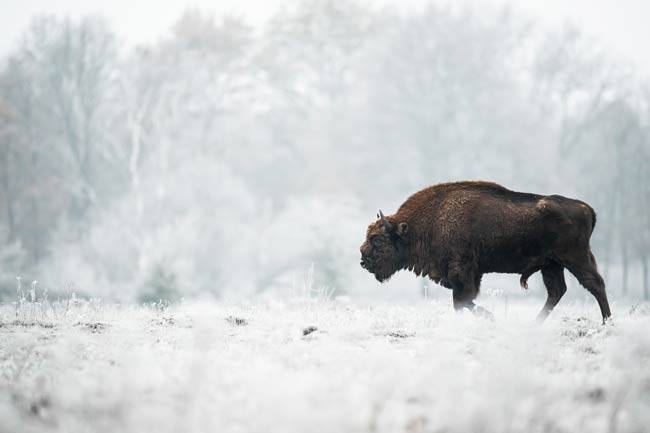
<point>621,26</point>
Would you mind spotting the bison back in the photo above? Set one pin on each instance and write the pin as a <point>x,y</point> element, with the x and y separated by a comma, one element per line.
<point>513,232</point>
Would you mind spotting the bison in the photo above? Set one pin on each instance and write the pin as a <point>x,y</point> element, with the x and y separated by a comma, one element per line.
<point>456,232</point>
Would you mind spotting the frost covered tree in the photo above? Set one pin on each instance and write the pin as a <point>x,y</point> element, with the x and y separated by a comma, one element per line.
<point>224,159</point>
<point>71,67</point>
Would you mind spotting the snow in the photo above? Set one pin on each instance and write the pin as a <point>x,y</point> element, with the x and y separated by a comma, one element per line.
<point>82,366</point>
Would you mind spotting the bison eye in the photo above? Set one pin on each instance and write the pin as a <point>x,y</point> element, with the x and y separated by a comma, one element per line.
<point>376,240</point>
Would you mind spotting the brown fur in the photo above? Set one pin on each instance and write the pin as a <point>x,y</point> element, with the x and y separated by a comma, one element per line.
<point>456,232</point>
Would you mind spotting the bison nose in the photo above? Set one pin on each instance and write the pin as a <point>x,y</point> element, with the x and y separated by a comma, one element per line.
<point>365,260</point>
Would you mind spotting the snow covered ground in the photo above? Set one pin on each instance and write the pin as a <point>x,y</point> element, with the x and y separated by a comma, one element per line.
<point>322,366</point>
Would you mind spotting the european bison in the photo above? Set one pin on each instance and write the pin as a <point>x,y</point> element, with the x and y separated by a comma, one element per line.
<point>456,232</point>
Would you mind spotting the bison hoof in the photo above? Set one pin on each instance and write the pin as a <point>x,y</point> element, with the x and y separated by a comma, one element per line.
<point>482,312</point>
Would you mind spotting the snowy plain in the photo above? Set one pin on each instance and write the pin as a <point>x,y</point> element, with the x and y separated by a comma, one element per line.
<point>322,366</point>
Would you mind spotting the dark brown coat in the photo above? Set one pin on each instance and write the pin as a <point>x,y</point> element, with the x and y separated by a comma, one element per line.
<point>456,232</point>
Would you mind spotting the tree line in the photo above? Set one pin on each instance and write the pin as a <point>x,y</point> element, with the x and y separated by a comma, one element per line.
<point>226,159</point>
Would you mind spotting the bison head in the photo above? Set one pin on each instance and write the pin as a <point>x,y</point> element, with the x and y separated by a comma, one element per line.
<point>384,251</point>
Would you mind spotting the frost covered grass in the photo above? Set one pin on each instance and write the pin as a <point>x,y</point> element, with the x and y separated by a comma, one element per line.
<point>325,366</point>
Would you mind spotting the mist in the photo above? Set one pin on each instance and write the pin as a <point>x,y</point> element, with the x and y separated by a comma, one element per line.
<point>230,161</point>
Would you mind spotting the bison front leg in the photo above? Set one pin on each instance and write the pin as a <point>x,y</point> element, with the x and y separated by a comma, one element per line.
<point>464,297</point>
<point>465,284</point>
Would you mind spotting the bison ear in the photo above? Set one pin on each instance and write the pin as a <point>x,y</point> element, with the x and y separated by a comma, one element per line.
<point>402,229</point>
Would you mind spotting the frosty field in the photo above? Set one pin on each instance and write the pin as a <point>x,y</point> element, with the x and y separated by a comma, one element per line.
<point>86,367</point>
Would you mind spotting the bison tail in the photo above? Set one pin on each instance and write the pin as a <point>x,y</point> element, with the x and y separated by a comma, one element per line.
<point>593,216</point>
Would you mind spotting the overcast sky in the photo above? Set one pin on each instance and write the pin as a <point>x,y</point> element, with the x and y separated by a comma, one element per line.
<point>621,26</point>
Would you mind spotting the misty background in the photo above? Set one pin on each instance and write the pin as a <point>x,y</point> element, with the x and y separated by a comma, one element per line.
<point>231,160</point>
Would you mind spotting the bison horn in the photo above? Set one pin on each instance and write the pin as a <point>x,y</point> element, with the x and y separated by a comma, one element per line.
<point>384,221</point>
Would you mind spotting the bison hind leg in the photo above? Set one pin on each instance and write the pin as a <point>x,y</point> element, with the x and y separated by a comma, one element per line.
<point>585,270</point>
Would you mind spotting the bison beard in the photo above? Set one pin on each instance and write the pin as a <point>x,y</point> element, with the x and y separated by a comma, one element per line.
<point>454,233</point>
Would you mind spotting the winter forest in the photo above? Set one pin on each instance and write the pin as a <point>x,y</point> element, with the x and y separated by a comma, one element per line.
<point>229,161</point>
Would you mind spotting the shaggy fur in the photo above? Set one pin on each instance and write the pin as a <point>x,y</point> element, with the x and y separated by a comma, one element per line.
<point>456,232</point>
